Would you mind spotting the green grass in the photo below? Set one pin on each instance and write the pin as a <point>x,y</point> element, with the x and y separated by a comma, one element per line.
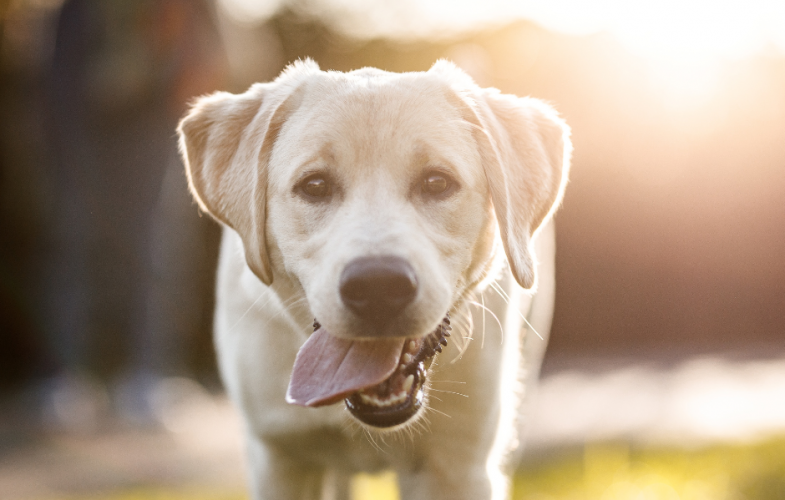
<point>618,472</point>
<point>608,471</point>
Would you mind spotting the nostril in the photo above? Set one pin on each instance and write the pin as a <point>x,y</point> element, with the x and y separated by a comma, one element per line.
<point>378,287</point>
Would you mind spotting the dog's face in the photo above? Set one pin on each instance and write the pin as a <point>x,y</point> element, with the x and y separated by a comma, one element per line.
<point>383,176</point>
<point>380,197</point>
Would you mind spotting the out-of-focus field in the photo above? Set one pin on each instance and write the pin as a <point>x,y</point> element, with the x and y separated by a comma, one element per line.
<point>606,471</point>
<point>167,494</point>
<point>617,472</point>
<point>608,452</point>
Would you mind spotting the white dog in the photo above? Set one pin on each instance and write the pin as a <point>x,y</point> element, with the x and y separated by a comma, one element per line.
<point>378,207</point>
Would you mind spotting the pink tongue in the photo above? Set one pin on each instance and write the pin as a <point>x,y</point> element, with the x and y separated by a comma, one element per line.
<point>328,368</point>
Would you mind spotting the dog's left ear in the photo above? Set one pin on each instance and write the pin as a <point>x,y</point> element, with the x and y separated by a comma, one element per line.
<point>525,149</point>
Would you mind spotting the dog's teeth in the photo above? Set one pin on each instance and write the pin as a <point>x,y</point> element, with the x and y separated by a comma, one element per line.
<point>407,358</point>
<point>375,401</point>
<point>443,341</point>
<point>408,383</point>
<point>402,367</point>
<point>412,346</point>
<point>438,348</point>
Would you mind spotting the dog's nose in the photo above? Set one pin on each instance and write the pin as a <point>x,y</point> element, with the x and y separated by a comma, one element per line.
<point>377,288</point>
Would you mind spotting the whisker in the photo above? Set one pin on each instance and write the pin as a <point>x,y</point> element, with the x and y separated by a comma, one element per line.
<point>482,342</point>
<point>406,434</point>
<point>498,289</point>
<point>449,392</point>
<point>287,306</point>
<point>448,381</point>
<point>464,325</point>
<point>501,328</point>
<point>423,425</point>
<point>531,326</point>
<point>431,408</point>
<point>373,442</point>
<point>293,301</point>
<point>253,304</point>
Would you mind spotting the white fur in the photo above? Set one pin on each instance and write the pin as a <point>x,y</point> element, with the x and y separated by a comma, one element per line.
<point>376,134</point>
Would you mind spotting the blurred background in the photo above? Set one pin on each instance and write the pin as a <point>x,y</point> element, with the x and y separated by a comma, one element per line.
<point>665,374</point>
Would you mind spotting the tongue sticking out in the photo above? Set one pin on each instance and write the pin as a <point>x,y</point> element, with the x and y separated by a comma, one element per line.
<point>328,368</point>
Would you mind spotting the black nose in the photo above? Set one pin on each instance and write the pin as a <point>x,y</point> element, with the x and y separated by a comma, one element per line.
<point>377,288</point>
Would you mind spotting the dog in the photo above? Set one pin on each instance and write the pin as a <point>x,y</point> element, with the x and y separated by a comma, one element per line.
<point>384,235</point>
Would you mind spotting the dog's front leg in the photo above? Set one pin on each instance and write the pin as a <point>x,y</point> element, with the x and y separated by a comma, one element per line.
<point>274,475</point>
<point>450,481</point>
<point>461,461</point>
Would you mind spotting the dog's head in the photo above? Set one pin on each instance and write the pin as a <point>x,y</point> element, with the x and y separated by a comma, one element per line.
<point>380,199</point>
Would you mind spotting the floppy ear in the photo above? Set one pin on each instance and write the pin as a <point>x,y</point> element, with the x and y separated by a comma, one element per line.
<point>525,149</point>
<point>225,142</point>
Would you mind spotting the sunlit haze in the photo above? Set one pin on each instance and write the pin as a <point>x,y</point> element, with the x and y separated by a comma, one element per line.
<point>670,29</point>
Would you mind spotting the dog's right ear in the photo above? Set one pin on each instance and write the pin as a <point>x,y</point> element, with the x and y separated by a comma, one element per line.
<point>225,142</point>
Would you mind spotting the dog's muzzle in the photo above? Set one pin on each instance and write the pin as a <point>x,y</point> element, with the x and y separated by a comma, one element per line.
<point>381,381</point>
<point>379,376</point>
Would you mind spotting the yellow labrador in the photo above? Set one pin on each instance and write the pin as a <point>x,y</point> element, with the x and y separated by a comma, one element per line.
<point>368,315</point>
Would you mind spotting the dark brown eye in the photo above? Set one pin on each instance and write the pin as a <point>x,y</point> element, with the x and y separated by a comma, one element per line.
<point>316,187</point>
<point>435,184</point>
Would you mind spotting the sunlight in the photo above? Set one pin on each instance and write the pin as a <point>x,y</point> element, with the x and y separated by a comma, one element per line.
<point>671,29</point>
<point>684,84</point>
<point>684,43</point>
<point>684,30</point>
<point>695,29</point>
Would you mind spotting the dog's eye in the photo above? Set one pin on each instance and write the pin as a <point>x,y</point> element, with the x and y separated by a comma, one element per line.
<point>316,187</point>
<point>435,183</point>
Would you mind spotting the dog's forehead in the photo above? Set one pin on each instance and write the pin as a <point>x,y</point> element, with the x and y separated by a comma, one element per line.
<point>371,119</point>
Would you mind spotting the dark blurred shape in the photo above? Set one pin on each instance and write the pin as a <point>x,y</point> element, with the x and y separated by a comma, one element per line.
<point>24,48</point>
<point>116,265</point>
<point>120,75</point>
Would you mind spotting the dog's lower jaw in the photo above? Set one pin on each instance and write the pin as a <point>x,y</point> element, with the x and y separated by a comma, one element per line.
<point>398,399</point>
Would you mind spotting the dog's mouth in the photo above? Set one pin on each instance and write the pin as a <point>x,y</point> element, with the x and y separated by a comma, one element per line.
<point>400,396</point>
<point>380,381</point>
